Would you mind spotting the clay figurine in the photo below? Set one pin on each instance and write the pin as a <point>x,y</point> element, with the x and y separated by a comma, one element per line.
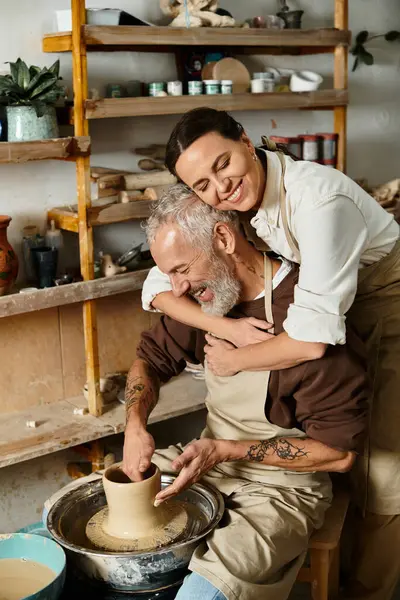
<point>109,268</point>
<point>200,13</point>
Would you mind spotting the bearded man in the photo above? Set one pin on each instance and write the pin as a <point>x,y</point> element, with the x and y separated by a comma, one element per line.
<point>271,438</point>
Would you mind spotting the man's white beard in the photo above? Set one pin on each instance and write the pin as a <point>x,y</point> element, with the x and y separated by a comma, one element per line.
<point>225,287</point>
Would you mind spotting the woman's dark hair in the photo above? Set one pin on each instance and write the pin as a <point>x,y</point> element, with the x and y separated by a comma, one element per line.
<point>193,125</point>
<point>198,122</point>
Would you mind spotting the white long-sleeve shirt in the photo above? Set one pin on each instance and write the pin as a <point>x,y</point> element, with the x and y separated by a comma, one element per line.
<point>339,229</point>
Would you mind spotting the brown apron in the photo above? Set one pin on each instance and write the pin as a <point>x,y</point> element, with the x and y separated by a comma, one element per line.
<point>270,513</point>
<point>375,316</point>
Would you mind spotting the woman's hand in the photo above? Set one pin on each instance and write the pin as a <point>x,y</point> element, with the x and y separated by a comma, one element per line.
<point>220,356</point>
<point>194,462</point>
<point>245,331</point>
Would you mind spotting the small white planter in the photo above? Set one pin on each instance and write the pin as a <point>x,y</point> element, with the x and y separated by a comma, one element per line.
<point>24,125</point>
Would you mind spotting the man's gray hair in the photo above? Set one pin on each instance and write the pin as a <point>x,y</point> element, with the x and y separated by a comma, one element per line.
<point>196,219</point>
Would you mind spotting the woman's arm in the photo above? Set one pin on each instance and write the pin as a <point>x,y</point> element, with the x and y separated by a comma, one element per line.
<point>157,295</point>
<point>185,310</point>
<point>280,352</point>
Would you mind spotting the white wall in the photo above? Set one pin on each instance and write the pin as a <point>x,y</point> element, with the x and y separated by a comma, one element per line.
<point>27,191</point>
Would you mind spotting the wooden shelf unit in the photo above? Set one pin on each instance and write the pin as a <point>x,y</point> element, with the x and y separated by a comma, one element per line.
<point>67,148</point>
<point>85,38</point>
<point>150,39</point>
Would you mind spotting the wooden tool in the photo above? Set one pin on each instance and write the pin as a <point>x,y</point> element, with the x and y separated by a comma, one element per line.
<point>155,192</point>
<point>132,196</point>
<point>233,69</point>
<point>141,181</point>
<point>156,151</point>
<point>148,164</point>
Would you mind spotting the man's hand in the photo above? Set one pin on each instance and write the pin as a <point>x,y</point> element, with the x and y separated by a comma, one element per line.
<point>138,451</point>
<point>195,461</point>
<point>220,356</point>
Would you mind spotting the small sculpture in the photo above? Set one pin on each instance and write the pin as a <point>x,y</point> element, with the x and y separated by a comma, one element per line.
<point>195,13</point>
<point>109,268</point>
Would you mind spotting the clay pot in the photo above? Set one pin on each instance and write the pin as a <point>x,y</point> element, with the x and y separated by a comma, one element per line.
<point>131,510</point>
<point>8,259</point>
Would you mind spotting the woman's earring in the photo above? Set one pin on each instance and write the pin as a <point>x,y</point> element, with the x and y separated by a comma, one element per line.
<point>255,156</point>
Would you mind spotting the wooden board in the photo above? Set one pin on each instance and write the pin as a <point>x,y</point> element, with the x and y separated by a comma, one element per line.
<point>139,107</point>
<point>59,428</point>
<point>16,304</point>
<point>118,213</point>
<point>58,149</point>
<point>101,215</point>
<point>150,38</point>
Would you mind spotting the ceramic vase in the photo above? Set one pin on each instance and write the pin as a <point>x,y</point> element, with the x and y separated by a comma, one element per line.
<point>131,510</point>
<point>8,259</point>
<point>24,125</point>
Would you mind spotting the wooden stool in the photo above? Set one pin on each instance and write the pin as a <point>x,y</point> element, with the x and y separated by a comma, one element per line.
<point>324,551</point>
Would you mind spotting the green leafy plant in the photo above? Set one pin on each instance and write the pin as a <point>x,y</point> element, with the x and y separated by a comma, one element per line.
<point>31,86</point>
<point>361,53</point>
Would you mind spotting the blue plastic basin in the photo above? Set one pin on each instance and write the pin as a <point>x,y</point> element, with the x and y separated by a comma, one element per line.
<point>41,550</point>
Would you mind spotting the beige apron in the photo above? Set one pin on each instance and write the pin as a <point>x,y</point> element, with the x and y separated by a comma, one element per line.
<point>261,543</point>
<point>375,316</point>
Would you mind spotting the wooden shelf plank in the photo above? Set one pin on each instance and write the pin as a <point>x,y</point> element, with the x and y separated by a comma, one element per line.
<point>58,428</point>
<point>180,396</point>
<point>153,38</point>
<point>58,149</point>
<point>64,218</point>
<point>16,304</point>
<point>117,212</point>
<point>145,106</point>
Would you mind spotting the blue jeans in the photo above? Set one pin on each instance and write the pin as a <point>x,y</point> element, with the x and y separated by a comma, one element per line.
<point>196,587</point>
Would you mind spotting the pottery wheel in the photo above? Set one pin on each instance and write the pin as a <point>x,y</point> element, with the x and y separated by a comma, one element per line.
<point>162,536</point>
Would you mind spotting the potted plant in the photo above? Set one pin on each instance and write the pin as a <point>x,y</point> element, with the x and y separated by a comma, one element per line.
<point>30,94</point>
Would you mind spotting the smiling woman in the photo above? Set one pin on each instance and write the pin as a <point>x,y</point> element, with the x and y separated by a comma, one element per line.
<point>349,256</point>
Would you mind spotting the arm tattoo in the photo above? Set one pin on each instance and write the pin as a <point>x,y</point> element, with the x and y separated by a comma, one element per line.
<point>141,389</point>
<point>279,446</point>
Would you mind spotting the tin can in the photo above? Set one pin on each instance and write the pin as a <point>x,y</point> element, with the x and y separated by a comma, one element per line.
<point>156,87</point>
<point>213,86</point>
<point>195,88</point>
<point>257,86</point>
<point>114,90</point>
<point>327,146</point>
<point>174,88</point>
<point>226,86</point>
<point>295,146</point>
<point>310,147</point>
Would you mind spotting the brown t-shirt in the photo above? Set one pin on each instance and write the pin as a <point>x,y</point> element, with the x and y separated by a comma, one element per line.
<point>326,398</point>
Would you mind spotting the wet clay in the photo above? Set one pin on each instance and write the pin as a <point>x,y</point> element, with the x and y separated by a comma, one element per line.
<point>131,522</point>
<point>20,578</point>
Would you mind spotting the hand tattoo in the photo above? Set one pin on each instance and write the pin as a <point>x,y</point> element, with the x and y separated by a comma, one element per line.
<point>279,446</point>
